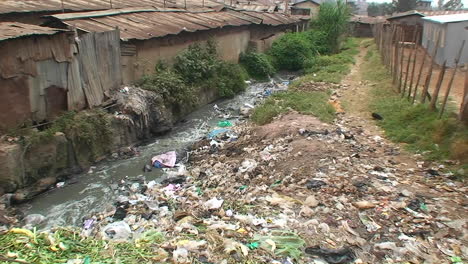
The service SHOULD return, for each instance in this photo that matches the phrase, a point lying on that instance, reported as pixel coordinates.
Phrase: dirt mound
(289, 124)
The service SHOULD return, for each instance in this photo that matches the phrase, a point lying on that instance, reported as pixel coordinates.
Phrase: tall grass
(333, 20)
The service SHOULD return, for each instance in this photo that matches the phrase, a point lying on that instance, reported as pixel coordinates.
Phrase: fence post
(402, 56)
(409, 62)
(415, 50)
(464, 105)
(449, 86)
(432, 105)
(429, 74)
(420, 73)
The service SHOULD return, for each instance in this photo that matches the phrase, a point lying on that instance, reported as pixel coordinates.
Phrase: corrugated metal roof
(367, 19)
(10, 6)
(253, 7)
(427, 13)
(11, 30)
(146, 25)
(447, 18)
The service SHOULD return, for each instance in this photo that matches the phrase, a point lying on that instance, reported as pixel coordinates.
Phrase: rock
(306, 212)
(406, 193)
(364, 205)
(28, 193)
(119, 231)
(311, 201)
(245, 111)
(34, 219)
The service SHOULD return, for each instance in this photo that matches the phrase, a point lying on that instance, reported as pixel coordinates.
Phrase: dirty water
(95, 190)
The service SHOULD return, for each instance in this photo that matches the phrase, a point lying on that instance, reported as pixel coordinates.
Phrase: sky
(434, 2)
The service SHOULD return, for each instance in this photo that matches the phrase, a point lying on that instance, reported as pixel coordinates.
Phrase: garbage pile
(293, 191)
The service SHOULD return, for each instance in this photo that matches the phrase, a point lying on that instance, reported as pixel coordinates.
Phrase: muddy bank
(30, 164)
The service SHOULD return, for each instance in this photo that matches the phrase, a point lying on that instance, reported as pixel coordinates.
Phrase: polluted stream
(96, 190)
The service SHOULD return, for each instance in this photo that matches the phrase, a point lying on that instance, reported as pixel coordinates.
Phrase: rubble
(294, 191)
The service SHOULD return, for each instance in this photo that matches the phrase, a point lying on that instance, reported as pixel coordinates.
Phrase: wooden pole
(449, 86)
(63, 7)
(420, 74)
(409, 62)
(402, 56)
(110, 1)
(391, 49)
(435, 94)
(464, 105)
(395, 56)
(431, 68)
(414, 66)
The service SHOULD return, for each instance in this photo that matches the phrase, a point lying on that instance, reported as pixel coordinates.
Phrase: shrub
(333, 21)
(229, 79)
(291, 51)
(318, 41)
(171, 86)
(258, 65)
(197, 63)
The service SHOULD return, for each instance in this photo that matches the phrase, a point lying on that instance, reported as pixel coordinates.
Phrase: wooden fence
(413, 80)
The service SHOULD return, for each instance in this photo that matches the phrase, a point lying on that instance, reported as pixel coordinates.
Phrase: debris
(118, 231)
(213, 203)
(364, 204)
(377, 116)
(248, 165)
(217, 132)
(333, 256)
(166, 160)
(315, 184)
(225, 123)
(311, 201)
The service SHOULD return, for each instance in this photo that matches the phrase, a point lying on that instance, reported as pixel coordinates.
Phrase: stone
(311, 201)
(364, 205)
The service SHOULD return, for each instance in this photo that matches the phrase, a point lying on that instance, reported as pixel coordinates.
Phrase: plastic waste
(213, 203)
(180, 255)
(213, 134)
(119, 231)
(225, 123)
(89, 223)
(333, 256)
(253, 245)
(248, 165)
(315, 184)
(166, 160)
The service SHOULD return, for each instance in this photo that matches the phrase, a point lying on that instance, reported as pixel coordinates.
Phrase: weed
(291, 51)
(197, 63)
(333, 21)
(258, 65)
(286, 243)
(171, 86)
(65, 244)
(415, 125)
(310, 103)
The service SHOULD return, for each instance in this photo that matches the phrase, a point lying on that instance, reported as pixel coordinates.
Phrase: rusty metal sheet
(11, 30)
(10, 6)
(146, 25)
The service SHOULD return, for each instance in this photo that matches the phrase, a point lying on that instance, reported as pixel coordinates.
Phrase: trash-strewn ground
(296, 190)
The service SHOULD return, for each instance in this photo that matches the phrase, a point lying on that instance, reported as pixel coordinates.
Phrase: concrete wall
(451, 39)
(232, 41)
(314, 8)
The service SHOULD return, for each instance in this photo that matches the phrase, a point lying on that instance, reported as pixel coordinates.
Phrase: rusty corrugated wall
(42, 76)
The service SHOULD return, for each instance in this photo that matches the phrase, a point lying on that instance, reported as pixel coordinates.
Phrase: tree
(440, 4)
(405, 5)
(453, 5)
(375, 9)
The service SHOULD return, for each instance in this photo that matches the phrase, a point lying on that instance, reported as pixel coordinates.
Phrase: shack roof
(146, 24)
(367, 19)
(426, 13)
(12, 30)
(21, 6)
(447, 18)
(303, 1)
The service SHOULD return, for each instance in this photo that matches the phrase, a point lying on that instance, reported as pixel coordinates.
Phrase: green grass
(330, 68)
(310, 103)
(415, 125)
(64, 244)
